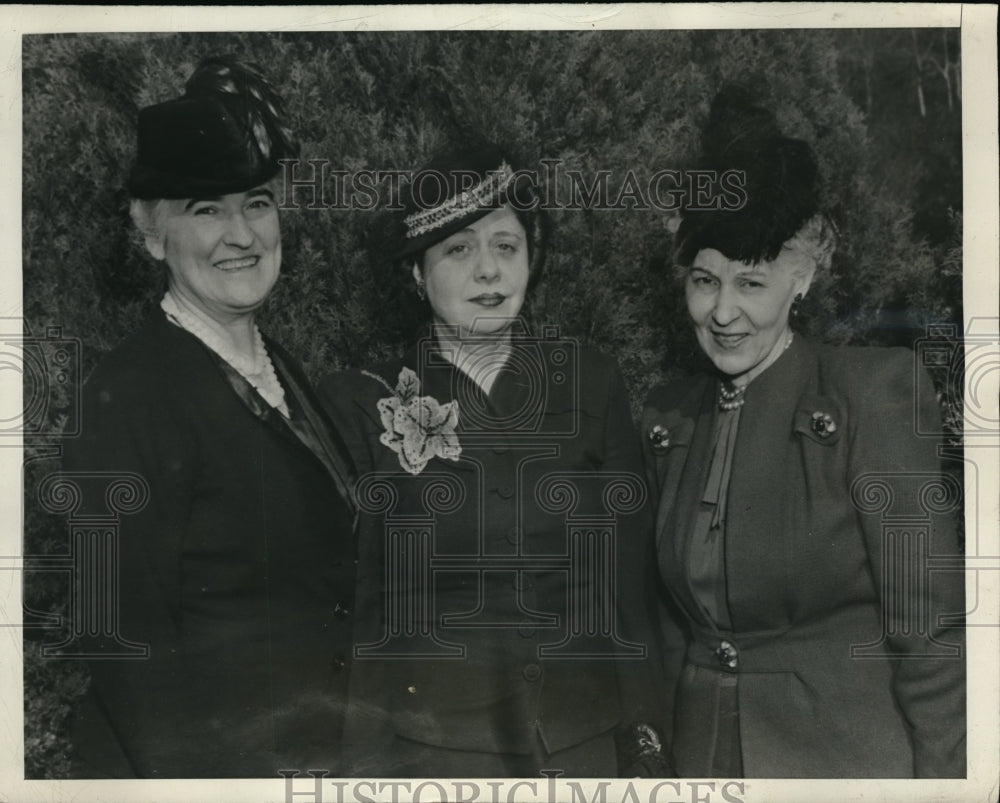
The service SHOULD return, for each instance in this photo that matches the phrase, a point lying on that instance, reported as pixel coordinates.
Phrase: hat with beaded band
(457, 188)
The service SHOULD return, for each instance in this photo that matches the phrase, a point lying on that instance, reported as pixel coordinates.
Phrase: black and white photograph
(500, 403)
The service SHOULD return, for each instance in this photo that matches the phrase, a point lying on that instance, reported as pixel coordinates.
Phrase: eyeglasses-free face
(477, 278)
(223, 254)
(740, 312)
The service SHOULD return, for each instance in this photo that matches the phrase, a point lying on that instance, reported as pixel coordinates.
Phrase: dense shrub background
(881, 107)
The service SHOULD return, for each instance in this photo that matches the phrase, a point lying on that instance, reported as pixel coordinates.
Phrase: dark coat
(807, 572)
(554, 408)
(238, 573)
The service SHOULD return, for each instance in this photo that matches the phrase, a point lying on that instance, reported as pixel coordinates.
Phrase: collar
(257, 370)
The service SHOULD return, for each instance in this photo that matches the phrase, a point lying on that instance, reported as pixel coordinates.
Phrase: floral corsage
(417, 428)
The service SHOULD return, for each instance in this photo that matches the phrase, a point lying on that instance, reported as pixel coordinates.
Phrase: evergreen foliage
(607, 100)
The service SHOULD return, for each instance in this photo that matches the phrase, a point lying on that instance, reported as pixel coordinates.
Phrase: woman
(808, 655)
(238, 572)
(492, 462)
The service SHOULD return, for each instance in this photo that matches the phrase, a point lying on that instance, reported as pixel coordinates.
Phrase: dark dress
(238, 573)
(501, 679)
(821, 649)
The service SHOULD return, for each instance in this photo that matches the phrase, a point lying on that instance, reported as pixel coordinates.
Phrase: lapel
(310, 425)
(510, 396)
(680, 472)
(766, 471)
(312, 433)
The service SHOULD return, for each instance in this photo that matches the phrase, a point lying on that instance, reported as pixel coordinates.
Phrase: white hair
(149, 216)
(816, 240)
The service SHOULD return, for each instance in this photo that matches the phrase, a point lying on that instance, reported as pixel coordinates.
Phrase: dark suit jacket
(813, 565)
(553, 409)
(238, 573)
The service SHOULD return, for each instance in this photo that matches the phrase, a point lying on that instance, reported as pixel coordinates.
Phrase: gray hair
(816, 240)
(148, 217)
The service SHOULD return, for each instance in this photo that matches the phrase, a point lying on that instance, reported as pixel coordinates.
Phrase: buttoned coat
(845, 666)
(551, 449)
(238, 573)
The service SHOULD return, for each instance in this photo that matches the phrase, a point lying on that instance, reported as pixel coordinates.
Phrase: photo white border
(981, 258)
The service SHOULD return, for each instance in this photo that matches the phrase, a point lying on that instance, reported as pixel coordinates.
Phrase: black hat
(459, 186)
(225, 134)
(781, 183)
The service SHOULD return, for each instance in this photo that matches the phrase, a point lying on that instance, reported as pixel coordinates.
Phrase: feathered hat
(225, 134)
(781, 183)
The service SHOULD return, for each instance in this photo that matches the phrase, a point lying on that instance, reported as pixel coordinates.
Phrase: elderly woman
(238, 572)
(816, 649)
(503, 511)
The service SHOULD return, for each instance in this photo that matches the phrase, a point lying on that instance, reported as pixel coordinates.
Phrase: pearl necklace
(731, 397)
(257, 370)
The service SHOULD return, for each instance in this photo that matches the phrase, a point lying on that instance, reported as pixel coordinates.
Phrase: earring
(795, 305)
(421, 291)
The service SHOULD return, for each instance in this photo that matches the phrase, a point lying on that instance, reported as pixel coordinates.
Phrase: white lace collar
(258, 370)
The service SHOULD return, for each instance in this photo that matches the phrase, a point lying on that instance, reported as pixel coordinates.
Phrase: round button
(337, 664)
(505, 491)
(513, 535)
(727, 654)
(532, 672)
(500, 449)
(411, 689)
(526, 630)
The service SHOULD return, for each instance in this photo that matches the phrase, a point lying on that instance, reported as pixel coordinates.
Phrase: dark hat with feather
(781, 183)
(225, 134)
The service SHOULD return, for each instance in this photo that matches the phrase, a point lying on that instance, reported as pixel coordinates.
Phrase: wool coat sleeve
(342, 395)
(119, 438)
(896, 472)
(645, 691)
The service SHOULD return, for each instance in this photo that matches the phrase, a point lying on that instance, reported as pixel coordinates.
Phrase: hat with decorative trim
(456, 188)
(225, 134)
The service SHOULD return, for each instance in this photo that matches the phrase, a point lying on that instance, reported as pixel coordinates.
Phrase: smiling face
(476, 279)
(740, 312)
(223, 254)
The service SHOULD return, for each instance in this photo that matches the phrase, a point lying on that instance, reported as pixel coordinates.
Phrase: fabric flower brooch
(659, 438)
(820, 419)
(417, 428)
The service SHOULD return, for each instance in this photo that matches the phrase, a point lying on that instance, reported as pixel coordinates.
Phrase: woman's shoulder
(145, 362)
(866, 371)
(677, 393)
(350, 388)
(594, 361)
(867, 357)
(360, 380)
